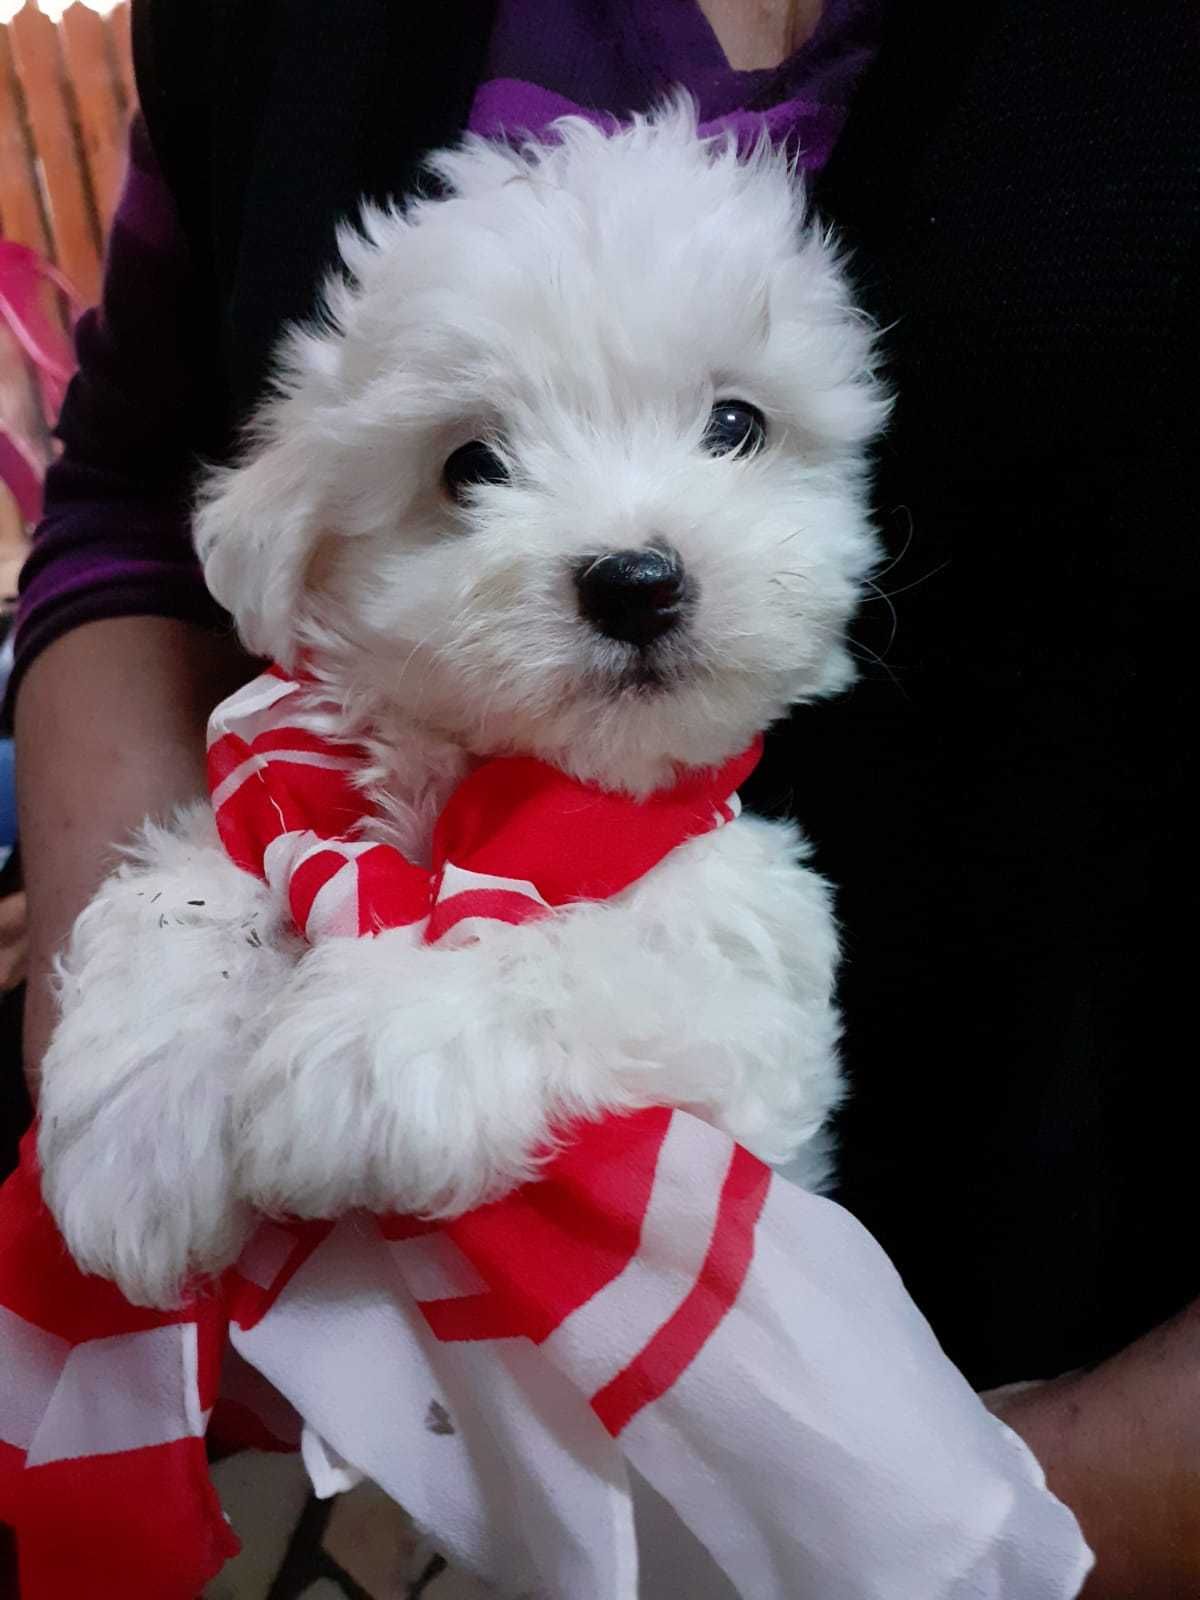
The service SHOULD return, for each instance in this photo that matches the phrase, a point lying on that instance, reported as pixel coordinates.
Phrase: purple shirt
(604, 61)
(115, 538)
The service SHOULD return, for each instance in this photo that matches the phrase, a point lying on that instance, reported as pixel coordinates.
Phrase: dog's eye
(472, 464)
(735, 428)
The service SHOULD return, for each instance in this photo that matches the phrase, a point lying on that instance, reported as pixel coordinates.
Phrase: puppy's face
(577, 471)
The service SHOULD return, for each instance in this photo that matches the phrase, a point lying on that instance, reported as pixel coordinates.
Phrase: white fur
(161, 989)
(397, 1077)
(580, 304)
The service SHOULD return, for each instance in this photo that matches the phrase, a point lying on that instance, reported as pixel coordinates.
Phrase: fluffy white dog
(573, 467)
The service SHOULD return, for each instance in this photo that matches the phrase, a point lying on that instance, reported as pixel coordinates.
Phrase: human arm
(110, 729)
(120, 652)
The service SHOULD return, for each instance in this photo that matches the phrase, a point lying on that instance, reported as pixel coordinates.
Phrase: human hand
(1120, 1444)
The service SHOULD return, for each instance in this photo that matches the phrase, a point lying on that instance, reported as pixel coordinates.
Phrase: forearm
(110, 729)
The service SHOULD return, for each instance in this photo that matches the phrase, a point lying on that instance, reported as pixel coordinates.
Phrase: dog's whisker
(904, 588)
(904, 549)
(887, 596)
(880, 595)
(800, 577)
(862, 652)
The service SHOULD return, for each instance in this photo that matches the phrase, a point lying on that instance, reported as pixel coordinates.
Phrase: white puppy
(573, 467)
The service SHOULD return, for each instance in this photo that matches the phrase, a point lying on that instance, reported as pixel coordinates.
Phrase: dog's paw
(142, 1206)
(159, 987)
(399, 1079)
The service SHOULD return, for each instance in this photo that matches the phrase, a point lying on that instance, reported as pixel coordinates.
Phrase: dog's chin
(633, 724)
(638, 674)
(620, 716)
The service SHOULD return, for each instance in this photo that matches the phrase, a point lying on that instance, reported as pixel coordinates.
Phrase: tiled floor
(357, 1547)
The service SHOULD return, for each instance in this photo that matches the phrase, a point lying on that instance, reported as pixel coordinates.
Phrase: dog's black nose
(633, 595)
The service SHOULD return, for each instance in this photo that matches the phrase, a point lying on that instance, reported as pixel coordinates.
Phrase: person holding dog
(1001, 800)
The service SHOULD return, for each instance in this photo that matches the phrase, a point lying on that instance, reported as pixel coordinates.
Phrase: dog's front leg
(396, 1077)
(161, 984)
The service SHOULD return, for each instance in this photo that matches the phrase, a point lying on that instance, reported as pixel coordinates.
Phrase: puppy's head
(574, 464)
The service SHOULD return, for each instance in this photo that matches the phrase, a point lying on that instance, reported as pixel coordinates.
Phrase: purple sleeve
(114, 539)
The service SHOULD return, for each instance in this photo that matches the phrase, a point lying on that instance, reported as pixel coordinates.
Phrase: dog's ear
(255, 527)
(257, 523)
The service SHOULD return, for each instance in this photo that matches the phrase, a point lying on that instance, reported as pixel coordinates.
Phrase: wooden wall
(66, 93)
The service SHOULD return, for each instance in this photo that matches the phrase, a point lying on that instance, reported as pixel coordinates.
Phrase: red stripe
(228, 752)
(289, 798)
(517, 817)
(499, 905)
(308, 879)
(468, 1317)
(291, 737)
(392, 892)
(681, 1338)
(40, 1282)
(247, 1303)
(12, 1463)
(551, 1245)
(137, 1522)
(225, 755)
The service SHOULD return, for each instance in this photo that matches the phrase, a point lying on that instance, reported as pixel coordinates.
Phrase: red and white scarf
(659, 1323)
(516, 839)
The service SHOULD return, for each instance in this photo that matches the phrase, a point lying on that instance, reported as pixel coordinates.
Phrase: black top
(1006, 800)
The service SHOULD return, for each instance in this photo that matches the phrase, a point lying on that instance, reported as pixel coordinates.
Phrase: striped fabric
(657, 1353)
(661, 1371)
(516, 839)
